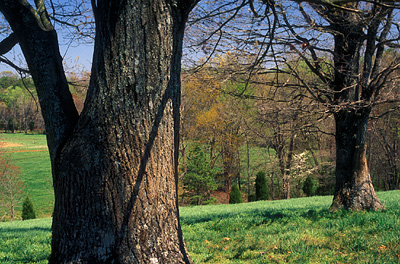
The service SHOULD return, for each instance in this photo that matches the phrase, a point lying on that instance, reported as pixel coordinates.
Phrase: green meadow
(292, 231)
(286, 231)
(25, 241)
(29, 153)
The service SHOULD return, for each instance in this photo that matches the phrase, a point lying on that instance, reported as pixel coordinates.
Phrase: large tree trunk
(114, 166)
(116, 177)
(352, 96)
(354, 190)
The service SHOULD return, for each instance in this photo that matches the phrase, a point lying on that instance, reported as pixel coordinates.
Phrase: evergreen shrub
(199, 179)
(251, 198)
(235, 196)
(310, 186)
(261, 187)
(28, 211)
(31, 125)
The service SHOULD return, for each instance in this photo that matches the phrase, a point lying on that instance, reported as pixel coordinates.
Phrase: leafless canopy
(316, 42)
(73, 21)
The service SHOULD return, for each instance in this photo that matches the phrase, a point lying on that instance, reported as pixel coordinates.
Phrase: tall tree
(115, 165)
(199, 179)
(360, 32)
(209, 116)
(341, 43)
(11, 187)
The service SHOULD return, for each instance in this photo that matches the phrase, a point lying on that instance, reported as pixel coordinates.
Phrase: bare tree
(341, 44)
(11, 187)
(351, 76)
(383, 148)
(283, 116)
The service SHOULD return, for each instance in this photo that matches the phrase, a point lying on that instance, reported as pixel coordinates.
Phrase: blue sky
(75, 54)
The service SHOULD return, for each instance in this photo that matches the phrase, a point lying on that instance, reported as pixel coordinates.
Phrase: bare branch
(8, 43)
(15, 67)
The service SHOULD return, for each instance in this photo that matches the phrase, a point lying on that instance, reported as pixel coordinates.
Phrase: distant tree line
(19, 106)
(232, 117)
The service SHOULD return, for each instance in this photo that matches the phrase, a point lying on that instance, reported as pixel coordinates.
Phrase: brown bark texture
(353, 96)
(354, 189)
(114, 166)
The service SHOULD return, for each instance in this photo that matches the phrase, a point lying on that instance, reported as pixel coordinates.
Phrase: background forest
(247, 128)
(232, 130)
(262, 89)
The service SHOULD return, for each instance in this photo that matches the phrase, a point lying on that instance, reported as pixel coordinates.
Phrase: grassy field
(25, 241)
(292, 231)
(29, 153)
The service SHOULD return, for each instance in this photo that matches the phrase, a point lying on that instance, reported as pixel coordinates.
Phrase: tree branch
(43, 15)
(11, 64)
(39, 45)
(8, 43)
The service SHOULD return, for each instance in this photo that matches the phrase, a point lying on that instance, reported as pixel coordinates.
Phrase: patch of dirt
(222, 197)
(9, 145)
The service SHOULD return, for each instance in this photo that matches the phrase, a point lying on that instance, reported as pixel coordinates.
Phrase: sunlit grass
(294, 231)
(36, 174)
(291, 231)
(29, 153)
(25, 241)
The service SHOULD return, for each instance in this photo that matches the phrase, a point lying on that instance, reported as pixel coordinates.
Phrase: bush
(235, 196)
(251, 198)
(261, 187)
(196, 199)
(31, 126)
(11, 125)
(310, 186)
(212, 200)
(199, 179)
(27, 209)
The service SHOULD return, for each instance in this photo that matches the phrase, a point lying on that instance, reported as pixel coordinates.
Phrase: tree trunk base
(354, 190)
(357, 199)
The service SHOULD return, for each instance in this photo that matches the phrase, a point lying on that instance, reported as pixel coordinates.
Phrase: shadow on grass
(23, 231)
(268, 216)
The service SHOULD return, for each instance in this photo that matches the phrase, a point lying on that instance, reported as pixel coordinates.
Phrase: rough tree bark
(114, 166)
(354, 189)
(352, 97)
